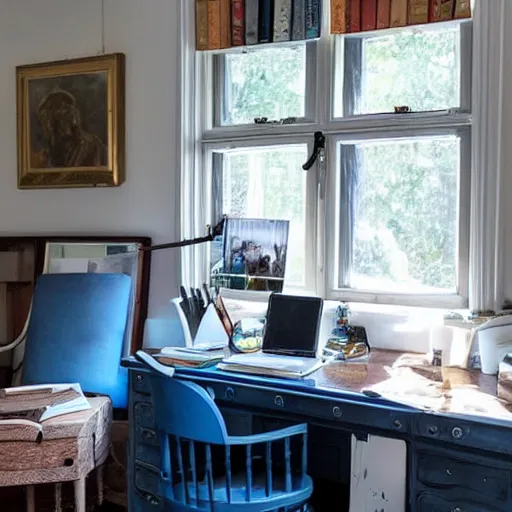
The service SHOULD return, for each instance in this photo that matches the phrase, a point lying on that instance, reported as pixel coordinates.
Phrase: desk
(459, 454)
(68, 448)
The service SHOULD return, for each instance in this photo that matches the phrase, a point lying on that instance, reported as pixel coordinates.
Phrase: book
(272, 365)
(225, 23)
(214, 41)
(41, 402)
(418, 12)
(462, 9)
(368, 15)
(398, 16)
(298, 20)
(265, 25)
(383, 13)
(282, 20)
(313, 21)
(355, 15)
(189, 357)
(446, 10)
(237, 23)
(201, 25)
(251, 21)
(339, 16)
(434, 12)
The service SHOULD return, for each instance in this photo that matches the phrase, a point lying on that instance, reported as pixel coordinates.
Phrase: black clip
(318, 147)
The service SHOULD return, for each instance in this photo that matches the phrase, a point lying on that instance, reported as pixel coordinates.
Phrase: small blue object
(195, 453)
(76, 333)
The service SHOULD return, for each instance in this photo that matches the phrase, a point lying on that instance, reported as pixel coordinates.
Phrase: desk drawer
(450, 473)
(141, 382)
(144, 415)
(428, 502)
(147, 480)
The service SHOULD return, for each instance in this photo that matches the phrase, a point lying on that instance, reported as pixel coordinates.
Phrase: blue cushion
(76, 333)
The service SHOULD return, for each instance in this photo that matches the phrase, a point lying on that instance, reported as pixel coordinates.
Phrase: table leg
(30, 496)
(99, 483)
(79, 486)
(58, 497)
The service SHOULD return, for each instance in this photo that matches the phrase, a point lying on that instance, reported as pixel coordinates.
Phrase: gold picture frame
(71, 123)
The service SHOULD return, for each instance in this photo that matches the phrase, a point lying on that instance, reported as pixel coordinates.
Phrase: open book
(41, 402)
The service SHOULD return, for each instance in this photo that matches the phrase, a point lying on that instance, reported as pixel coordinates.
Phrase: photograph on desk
(252, 255)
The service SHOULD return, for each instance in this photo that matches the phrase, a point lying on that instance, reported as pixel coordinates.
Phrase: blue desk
(456, 462)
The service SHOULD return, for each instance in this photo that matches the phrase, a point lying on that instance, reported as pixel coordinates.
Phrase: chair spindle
(304, 468)
(166, 462)
(268, 466)
(248, 472)
(209, 473)
(192, 457)
(287, 459)
(228, 473)
(181, 469)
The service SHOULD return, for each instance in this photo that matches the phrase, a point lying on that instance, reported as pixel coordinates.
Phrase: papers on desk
(41, 402)
(271, 365)
(189, 357)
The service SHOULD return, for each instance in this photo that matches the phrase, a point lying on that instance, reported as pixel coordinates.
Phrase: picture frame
(71, 123)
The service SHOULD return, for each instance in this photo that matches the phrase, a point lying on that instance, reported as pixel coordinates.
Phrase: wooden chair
(198, 471)
(75, 334)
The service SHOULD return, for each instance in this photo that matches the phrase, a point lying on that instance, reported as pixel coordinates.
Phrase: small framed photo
(70, 117)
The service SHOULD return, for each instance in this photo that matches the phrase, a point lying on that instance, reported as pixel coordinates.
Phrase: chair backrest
(184, 409)
(76, 333)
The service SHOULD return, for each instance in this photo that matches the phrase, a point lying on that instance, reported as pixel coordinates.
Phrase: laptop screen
(293, 324)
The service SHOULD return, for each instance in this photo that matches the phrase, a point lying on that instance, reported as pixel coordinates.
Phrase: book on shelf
(339, 18)
(272, 365)
(265, 24)
(313, 18)
(41, 402)
(383, 13)
(462, 9)
(202, 25)
(251, 21)
(298, 20)
(398, 17)
(225, 24)
(282, 20)
(418, 12)
(355, 16)
(237, 23)
(368, 15)
(214, 25)
(447, 10)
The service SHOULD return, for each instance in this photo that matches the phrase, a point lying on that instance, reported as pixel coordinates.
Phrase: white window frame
(321, 268)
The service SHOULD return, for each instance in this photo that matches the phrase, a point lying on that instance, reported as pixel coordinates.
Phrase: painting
(71, 123)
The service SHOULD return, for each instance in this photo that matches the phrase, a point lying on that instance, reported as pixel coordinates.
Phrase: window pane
(270, 184)
(418, 69)
(405, 215)
(264, 83)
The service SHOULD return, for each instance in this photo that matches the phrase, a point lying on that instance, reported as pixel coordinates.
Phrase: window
(385, 218)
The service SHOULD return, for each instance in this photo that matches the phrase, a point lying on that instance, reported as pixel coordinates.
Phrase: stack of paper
(271, 365)
(189, 357)
(42, 402)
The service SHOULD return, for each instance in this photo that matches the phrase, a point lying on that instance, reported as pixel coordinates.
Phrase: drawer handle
(279, 401)
(148, 435)
(457, 509)
(457, 433)
(433, 430)
(230, 393)
(152, 500)
(140, 378)
(337, 412)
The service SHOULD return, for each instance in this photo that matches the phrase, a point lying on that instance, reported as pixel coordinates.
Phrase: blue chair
(192, 433)
(76, 333)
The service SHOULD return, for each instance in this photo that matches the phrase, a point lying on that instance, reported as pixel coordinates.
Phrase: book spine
(383, 13)
(214, 22)
(462, 9)
(201, 25)
(398, 17)
(355, 16)
(446, 10)
(368, 15)
(225, 23)
(418, 12)
(282, 20)
(434, 13)
(251, 21)
(237, 23)
(298, 21)
(339, 16)
(313, 18)
(265, 21)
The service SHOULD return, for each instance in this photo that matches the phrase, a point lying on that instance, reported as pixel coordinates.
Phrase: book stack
(197, 357)
(224, 24)
(352, 16)
(39, 403)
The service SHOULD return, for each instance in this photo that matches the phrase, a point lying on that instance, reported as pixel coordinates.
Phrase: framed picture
(71, 123)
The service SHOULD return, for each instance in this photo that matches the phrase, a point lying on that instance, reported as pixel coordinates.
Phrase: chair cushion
(76, 333)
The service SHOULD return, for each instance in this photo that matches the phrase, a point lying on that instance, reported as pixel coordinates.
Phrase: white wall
(146, 204)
